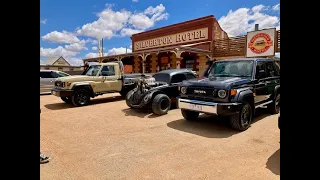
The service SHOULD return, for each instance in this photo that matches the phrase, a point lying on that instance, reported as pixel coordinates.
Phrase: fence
(236, 46)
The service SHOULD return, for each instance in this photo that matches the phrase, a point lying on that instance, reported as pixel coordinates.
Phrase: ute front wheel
(161, 104)
(67, 100)
(80, 98)
(189, 115)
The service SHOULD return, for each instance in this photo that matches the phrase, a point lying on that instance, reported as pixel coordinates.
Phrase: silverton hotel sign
(184, 37)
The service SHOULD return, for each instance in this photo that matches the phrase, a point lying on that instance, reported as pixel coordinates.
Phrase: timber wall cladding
(236, 46)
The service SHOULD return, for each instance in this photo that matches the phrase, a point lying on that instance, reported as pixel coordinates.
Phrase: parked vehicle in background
(47, 79)
(235, 88)
(96, 80)
(159, 95)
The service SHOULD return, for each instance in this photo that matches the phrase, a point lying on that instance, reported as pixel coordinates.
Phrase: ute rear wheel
(189, 115)
(123, 93)
(242, 120)
(67, 100)
(80, 98)
(161, 104)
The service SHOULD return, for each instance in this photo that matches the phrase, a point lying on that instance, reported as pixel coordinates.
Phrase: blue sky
(70, 28)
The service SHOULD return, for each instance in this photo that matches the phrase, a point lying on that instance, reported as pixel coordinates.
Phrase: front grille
(59, 84)
(209, 92)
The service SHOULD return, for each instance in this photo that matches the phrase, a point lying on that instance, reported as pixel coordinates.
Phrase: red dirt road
(107, 140)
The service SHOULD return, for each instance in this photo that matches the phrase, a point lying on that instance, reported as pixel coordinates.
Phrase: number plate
(195, 107)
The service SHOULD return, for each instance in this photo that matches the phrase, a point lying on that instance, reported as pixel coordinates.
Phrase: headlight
(222, 93)
(183, 90)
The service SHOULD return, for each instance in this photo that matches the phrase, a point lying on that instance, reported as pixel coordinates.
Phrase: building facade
(189, 44)
(61, 64)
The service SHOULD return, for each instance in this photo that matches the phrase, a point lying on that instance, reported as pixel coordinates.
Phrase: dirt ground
(107, 140)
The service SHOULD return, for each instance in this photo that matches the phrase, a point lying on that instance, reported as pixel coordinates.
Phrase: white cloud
(242, 20)
(259, 8)
(108, 22)
(117, 51)
(113, 51)
(148, 17)
(129, 32)
(91, 55)
(113, 23)
(135, 0)
(61, 37)
(92, 41)
(141, 21)
(94, 48)
(276, 7)
(43, 21)
(77, 47)
(56, 52)
(75, 61)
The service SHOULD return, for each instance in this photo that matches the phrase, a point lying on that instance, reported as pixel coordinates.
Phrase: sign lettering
(184, 37)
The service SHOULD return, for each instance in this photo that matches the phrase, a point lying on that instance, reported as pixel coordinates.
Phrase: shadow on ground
(142, 113)
(45, 94)
(211, 126)
(62, 105)
(273, 163)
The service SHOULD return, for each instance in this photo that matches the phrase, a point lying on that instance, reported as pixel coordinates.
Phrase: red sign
(260, 43)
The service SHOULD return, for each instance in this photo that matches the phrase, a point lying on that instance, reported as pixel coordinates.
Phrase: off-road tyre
(80, 97)
(189, 115)
(274, 107)
(67, 100)
(243, 119)
(161, 104)
(128, 98)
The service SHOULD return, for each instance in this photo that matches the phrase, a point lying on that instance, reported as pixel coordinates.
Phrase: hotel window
(71, 69)
(60, 68)
(164, 63)
(189, 64)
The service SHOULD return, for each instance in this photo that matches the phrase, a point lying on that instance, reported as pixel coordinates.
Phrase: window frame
(101, 70)
(46, 72)
(183, 74)
(265, 69)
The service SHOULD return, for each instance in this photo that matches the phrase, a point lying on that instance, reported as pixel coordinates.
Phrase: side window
(190, 76)
(178, 78)
(277, 68)
(54, 74)
(45, 75)
(270, 69)
(261, 70)
(107, 71)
